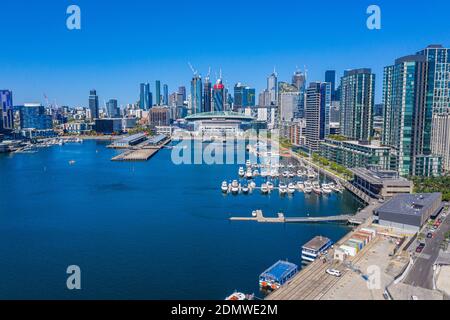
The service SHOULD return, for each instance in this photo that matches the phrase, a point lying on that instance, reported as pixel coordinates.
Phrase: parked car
(334, 273)
(420, 248)
(429, 235)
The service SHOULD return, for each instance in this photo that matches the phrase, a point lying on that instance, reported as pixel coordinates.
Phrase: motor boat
(235, 187)
(283, 189)
(224, 187)
(245, 189)
(291, 188)
(270, 185)
(264, 188)
(241, 172)
(326, 189)
(300, 186)
(316, 188)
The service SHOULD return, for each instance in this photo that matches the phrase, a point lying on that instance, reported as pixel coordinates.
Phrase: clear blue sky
(123, 43)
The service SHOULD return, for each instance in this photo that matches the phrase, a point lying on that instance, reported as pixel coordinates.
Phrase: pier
(143, 151)
(283, 219)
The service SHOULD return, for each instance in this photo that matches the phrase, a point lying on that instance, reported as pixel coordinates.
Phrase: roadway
(421, 274)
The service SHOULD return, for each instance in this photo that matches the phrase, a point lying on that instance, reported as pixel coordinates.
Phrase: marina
(138, 219)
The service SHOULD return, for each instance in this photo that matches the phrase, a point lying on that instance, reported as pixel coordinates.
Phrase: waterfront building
(409, 212)
(272, 88)
(314, 248)
(93, 105)
(159, 116)
(356, 103)
(380, 184)
(330, 77)
(352, 154)
(405, 128)
(158, 92)
(196, 94)
(108, 126)
(6, 111)
(34, 116)
(129, 141)
(112, 109)
(436, 138)
(317, 113)
(76, 127)
(146, 98)
(297, 133)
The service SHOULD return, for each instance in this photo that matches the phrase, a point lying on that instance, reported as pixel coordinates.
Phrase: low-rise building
(380, 184)
(409, 212)
(353, 154)
(130, 141)
(108, 126)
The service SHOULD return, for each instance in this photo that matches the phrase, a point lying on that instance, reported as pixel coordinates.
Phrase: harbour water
(144, 230)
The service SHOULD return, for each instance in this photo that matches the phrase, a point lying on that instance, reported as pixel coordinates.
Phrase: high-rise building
(6, 111)
(159, 116)
(196, 94)
(405, 127)
(299, 80)
(34, 116)
(93, 105)
(145, 97)
(207, 96)
(112, 109)
(317, 114)
(357, 101)
(244, 96)
(166, 94)
(330, 77)
(289, 102)
(436, 138)
(219, 96)
(272, 87)
(158, 92)
(182, 91)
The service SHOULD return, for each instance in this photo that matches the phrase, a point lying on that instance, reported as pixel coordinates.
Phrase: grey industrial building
(409, 212)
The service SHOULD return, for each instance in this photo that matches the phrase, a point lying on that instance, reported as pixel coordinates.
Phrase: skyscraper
(219, 96)
(158, 92)
(166, 94)
(357, 101)
(436, 138)
(299, 81)
(244, 96)
(289, 102)
(34, 116)
(330, 77)
(145, 97)
(182, 91)
(272, 87)
(93, 104)
(196, 94)
(112, 109)
(317, 113)
(207, 96)
(6, 111)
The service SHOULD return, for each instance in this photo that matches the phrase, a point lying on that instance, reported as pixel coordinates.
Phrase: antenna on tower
(306, 73)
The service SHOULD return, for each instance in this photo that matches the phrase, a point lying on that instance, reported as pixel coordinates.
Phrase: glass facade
(196, 94)
(35, 117)
(93, 105)
(6, 110)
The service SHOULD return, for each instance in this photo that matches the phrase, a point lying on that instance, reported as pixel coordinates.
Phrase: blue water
(148, 230)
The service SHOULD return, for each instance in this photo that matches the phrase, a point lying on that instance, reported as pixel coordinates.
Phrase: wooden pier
(142, 152)
(282, 219)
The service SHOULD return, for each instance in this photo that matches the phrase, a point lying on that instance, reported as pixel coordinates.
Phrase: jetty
(143, 151)
(258, 216)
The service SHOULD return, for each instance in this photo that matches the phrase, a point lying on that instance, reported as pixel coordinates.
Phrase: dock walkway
(282, 219)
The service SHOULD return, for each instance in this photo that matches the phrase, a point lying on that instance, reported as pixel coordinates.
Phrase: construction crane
(195, 72)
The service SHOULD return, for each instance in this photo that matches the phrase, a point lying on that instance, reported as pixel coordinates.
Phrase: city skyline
(116, 73)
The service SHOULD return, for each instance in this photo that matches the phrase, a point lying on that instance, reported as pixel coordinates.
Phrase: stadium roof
(220, 115)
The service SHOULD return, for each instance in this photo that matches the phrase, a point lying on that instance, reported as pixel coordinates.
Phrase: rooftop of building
(379, 177)
(410, 204)
(317, 243)
(280, 270)
(131, 138)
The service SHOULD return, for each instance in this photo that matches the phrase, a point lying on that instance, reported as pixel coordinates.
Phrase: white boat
(299, 173)
(248, 163)
(311, 175)
(264, 174)
(285, 174)
(264, 188)
(245, 189)
(252, 185)
(241, 172)
(224, 187)
(270, 185)
(291, 188)
(300, 186)
(72, 162)
(283, 189)
(249, 174)
(291, 166)
(237, 296)
(291, 175)
(326, 189)
(308, 187)
(255, 173)
(316, 188)
(235, 187)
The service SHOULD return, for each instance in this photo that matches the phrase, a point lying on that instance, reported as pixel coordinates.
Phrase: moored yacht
(235, 187)
(316, 188)
(264, 188)
(241, 172)
(300, 186)
(291, 188)
(245, 189)
(326, 189)
(283, 189)
(224, 187)
(270, 185)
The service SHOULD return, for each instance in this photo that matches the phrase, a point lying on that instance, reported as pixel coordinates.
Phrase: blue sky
(123, 43)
